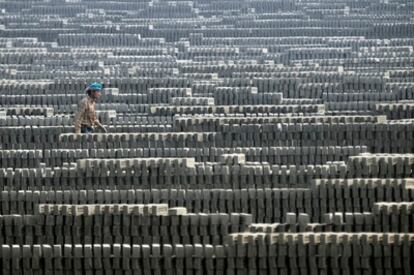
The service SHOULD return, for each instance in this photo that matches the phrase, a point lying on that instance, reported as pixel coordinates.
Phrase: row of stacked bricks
(244, 137)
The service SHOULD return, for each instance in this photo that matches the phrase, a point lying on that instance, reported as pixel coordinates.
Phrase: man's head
(94, 90)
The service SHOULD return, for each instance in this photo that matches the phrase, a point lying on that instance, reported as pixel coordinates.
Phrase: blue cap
(95, 86)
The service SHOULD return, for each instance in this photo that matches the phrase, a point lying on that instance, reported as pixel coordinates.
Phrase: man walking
(85, 117)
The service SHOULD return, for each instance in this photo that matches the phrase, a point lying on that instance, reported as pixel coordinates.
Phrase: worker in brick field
(85, 118)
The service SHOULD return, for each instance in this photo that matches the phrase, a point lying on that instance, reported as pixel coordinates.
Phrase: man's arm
(95, 121)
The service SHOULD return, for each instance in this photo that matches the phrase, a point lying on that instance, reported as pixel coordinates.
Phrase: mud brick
(106, 256)
(135, 258)
(179, 252)
(97, 256)
(167, 253)
(146, 253)
(26, 257)
(6, 254)
(291, 218)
